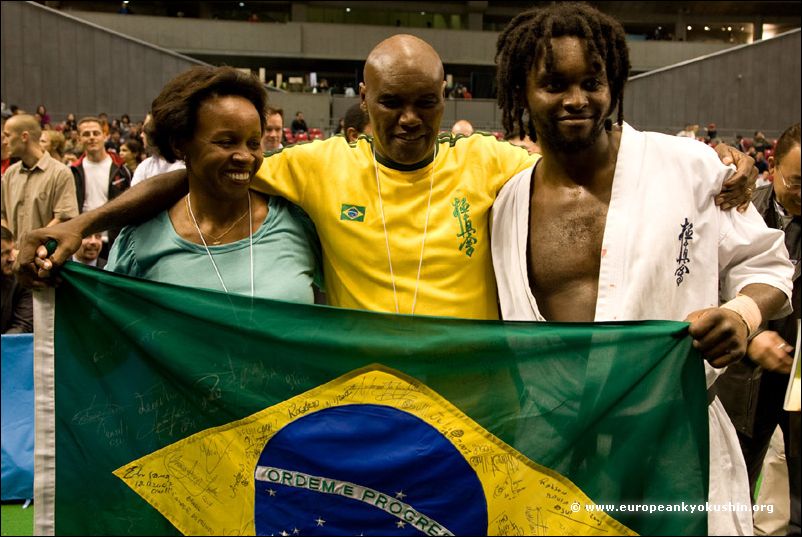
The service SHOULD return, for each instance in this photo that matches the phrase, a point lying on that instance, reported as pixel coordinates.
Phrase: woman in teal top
(220, 235)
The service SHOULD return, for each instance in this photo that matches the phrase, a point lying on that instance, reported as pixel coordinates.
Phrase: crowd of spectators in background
(758, 146)
(135, 158)
(127, 138)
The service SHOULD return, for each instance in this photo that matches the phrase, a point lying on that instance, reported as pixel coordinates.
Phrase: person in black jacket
(299, 124)
(753, 389)
(17, 304)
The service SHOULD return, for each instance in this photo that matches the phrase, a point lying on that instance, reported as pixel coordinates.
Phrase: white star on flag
(320, 521)
(271, 492)
(400, 523)
(400, 495)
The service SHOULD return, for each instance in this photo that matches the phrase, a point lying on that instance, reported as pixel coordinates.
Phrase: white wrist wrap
(748, 310)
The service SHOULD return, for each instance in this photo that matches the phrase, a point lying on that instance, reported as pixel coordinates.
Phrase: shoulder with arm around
(288, 171)
(495, 160)
(690, 162)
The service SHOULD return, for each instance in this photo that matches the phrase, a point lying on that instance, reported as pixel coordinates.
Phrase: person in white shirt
(155, 164)
(99, 175)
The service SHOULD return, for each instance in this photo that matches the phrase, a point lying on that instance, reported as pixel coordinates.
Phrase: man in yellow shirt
(403, 218)
(403, 221)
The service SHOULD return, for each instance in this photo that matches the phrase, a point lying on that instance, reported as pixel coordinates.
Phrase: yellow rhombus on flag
(372, 451)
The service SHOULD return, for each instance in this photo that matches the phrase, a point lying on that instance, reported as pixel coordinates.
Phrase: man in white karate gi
(616, 224)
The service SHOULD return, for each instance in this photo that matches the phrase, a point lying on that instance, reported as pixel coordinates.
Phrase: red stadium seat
(302, 137)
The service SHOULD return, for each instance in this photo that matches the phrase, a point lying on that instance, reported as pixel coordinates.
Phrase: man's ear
(363, 96)
(771, 162)
(443, 89)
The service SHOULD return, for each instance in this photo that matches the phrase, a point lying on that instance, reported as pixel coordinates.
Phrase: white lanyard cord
(387, 238)
(206, 247)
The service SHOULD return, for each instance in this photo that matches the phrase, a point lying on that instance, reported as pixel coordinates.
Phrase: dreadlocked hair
(529, 35)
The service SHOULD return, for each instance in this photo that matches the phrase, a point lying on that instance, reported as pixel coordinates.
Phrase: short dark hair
(175, 109)
(528, 37)
(87, 119)
(355, 117)
(135, 147)
(272, 111)
(6, 234)
(787, 141)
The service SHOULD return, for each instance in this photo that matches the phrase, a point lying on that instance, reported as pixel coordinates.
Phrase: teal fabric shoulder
(284, 258)
(122, 257)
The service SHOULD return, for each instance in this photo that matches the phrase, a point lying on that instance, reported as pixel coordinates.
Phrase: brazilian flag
(164, 410)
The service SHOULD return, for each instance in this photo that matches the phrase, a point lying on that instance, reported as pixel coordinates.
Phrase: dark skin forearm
(721, 334)
(769, 299)
(134, 206)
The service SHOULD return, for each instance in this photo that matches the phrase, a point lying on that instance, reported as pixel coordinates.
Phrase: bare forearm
(769, 300)
(137, 204)
(36, 260)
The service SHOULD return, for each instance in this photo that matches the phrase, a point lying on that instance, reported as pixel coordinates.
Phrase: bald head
(21, 135)
(404, 51)
(463, 127)
(403, 96)
(25, 122)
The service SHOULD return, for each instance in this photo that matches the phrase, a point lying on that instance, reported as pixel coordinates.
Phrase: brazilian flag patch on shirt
(351, 212)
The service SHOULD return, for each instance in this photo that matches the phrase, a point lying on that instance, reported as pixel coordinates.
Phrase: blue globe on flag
(365, 469)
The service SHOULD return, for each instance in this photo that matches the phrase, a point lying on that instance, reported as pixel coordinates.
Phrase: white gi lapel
(628, 170)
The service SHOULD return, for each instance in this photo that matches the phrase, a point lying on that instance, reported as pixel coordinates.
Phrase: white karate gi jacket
(667, 251)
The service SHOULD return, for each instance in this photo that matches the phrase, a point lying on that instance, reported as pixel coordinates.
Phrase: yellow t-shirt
(335, 183)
